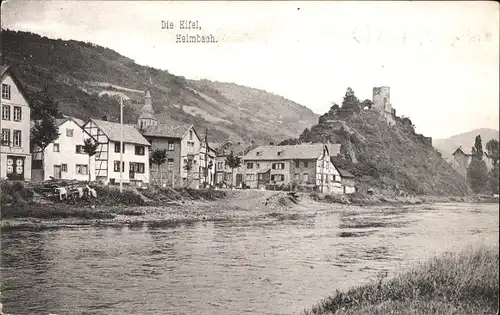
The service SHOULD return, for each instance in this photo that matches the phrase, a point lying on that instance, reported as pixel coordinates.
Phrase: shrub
(15, 193)
(110, 195)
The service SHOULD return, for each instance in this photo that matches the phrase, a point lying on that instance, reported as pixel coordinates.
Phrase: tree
(158, 157)
(493, 182)
(477, 173)
(42, 104)
(188, 167)
(367, 103)
(493, 151)
(351, 101)
(233, 162)
(44, 132)
(90, 147)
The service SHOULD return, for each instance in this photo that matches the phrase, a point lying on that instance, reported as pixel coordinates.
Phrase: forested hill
(84, 78)
(388, 158)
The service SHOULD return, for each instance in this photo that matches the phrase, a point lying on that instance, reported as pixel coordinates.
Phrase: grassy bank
(21, 201)
(463, 283)
(360, 199)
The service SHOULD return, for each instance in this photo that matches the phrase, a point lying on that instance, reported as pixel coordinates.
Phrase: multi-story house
(182, 145)
(15, 157)
(461, 159)
(223, 173)
(135, 151)
(207, 163)
(305, 164)
(64, 158)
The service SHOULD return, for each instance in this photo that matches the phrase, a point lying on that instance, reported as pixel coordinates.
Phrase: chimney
(271, 143)
(105, 118)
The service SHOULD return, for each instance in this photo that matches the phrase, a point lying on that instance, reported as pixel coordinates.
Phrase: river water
(242, 267)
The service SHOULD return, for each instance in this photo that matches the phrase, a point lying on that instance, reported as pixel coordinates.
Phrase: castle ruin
(382, 103)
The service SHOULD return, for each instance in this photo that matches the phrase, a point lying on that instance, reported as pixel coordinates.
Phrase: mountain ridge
(448, 145)
(85, 79)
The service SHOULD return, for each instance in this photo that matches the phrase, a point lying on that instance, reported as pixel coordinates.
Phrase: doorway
(57, 171)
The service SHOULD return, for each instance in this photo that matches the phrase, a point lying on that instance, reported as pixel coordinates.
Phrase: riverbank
(234, 205)
(460, 283)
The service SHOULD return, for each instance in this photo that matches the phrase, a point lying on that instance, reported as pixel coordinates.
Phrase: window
(258, 153)
(6, 137)
(137, 167)
(296, 176)
(250, 177)
(82, 169)
(258, 165)
(190, 134)
(139, 150)
(17, 138)
(277, 177)
(56, 147)
(220, 165)
(305, 177)
(117, 166)
(190, 146)
(6, 112)
(306, 163)
(297, 163)
(170, 146)
(170, 164)
(18, 113)
(280, 153)
(69, 132)
(79, 149)
(6, 91)
(278, 166)
(117, 147)
(64, 167)
(249, 165)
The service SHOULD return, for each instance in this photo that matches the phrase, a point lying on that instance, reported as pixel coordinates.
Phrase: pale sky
(441, 59)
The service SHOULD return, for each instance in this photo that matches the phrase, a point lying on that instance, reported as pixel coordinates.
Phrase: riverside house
(15, 156)
(461, 159)
(135, 166)
(307, 165)
(182, 143)
(223, 172)
(64, 158)
(207, 168)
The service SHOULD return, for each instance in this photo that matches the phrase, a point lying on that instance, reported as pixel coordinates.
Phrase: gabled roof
(166, 130)
(344, 173)
(112, 131)
(4, 70)
(460, 149)
(288, 152)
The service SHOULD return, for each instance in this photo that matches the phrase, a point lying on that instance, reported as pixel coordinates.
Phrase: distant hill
(383, 157)
(466, 140)
(86, 78)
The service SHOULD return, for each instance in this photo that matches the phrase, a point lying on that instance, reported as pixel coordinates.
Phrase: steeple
(147, 115)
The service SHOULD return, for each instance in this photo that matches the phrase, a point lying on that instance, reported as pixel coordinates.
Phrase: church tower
(147, 115)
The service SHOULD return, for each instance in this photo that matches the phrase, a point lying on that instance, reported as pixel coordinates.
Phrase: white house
(15, 157)
(135, 166)
(64, 158)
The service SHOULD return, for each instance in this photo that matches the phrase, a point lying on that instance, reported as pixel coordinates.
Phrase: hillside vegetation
(387, 158)
(84, 78)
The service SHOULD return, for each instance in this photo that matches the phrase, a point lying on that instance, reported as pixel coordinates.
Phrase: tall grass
(462, 283)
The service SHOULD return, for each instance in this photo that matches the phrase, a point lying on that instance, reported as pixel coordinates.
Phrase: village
(157, 154)
(173, 155)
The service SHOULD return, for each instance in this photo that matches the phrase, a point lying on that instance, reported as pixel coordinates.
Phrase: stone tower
(382, 104)
(382, 99)
(147, 115)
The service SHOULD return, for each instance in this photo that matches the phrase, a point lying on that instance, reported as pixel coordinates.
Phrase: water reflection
(257, 267)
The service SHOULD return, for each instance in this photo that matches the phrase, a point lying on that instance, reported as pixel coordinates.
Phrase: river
(239, 267)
